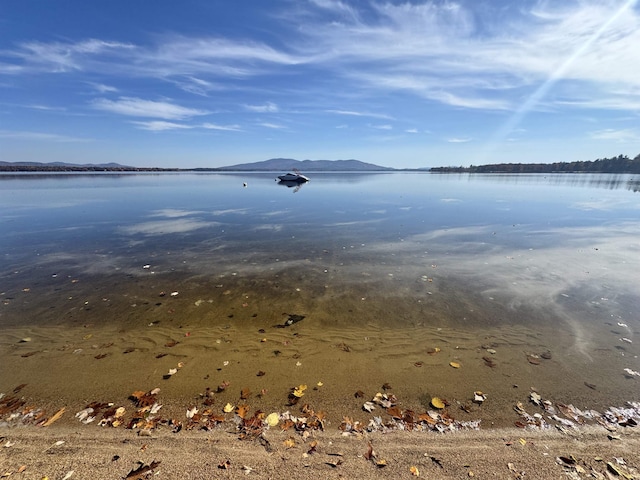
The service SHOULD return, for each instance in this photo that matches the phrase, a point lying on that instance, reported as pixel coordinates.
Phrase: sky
(403, 84)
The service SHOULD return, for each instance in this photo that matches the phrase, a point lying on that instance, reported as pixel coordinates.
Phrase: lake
(429, 285)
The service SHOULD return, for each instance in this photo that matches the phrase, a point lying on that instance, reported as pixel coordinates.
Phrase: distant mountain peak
(278, 164)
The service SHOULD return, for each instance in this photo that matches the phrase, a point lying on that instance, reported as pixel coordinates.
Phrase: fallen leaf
(56, 416)
(489, 362)
(414, 471)
(245, 393)
(289, 443)
(369, 454)
(455, 364)
(299, 390)
(142, 470)
(273, 419)
(242, 410)
(437, 403)
(225, 464)
(533, 359)
(369, 406)
(312, 447)
(228, 408)
(395, 412)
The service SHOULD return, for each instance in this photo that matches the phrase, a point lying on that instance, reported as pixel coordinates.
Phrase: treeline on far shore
(619, 164)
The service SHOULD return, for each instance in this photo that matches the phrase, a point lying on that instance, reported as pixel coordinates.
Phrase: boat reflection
(291, 184)
(295, 185)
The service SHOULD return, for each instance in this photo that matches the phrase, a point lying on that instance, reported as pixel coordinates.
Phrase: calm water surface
(383, 267)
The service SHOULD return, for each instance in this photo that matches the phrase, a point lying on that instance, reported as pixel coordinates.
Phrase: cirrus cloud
(137, 107)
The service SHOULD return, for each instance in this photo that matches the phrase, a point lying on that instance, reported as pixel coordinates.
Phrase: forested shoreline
(619, 164)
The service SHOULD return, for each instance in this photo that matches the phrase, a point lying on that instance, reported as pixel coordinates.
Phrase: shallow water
(102, 273)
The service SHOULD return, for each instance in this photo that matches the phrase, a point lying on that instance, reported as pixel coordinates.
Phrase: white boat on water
(293, 177)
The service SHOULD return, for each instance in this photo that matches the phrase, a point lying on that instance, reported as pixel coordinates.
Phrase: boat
(293, 177)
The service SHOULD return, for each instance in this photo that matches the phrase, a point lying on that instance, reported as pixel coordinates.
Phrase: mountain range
(63, 164)
(278, 164)
(274, 164)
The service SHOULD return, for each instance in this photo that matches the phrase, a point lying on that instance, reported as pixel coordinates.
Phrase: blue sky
(206, 83)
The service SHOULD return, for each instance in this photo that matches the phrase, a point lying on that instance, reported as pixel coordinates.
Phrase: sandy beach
(73, 451)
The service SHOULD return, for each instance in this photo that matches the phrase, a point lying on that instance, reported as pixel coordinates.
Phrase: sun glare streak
(512, 123)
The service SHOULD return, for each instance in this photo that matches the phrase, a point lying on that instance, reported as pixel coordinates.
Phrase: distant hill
(61, 165)
(282, 164)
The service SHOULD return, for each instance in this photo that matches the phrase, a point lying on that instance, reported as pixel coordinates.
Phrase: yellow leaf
(228, 408)
(522, 441)
(299, 390)
(437, 403)
(454, 364)
(289, 443)
(414, 471)
(273, 419)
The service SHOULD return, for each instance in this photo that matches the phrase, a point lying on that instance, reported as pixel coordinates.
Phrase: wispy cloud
(46, 108)
(274, 126)
(102, 88)
(228, 128)
(459, 139)
(480, 59)
(352, 113)
(137, 107)
(622, 135)
(160, 125)
(39, 136)
(60, 57)
(268, 107)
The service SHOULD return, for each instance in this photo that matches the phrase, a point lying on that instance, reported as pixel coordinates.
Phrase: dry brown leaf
(395, 412)
(242, 410)
(142, 470)
(56, 416)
